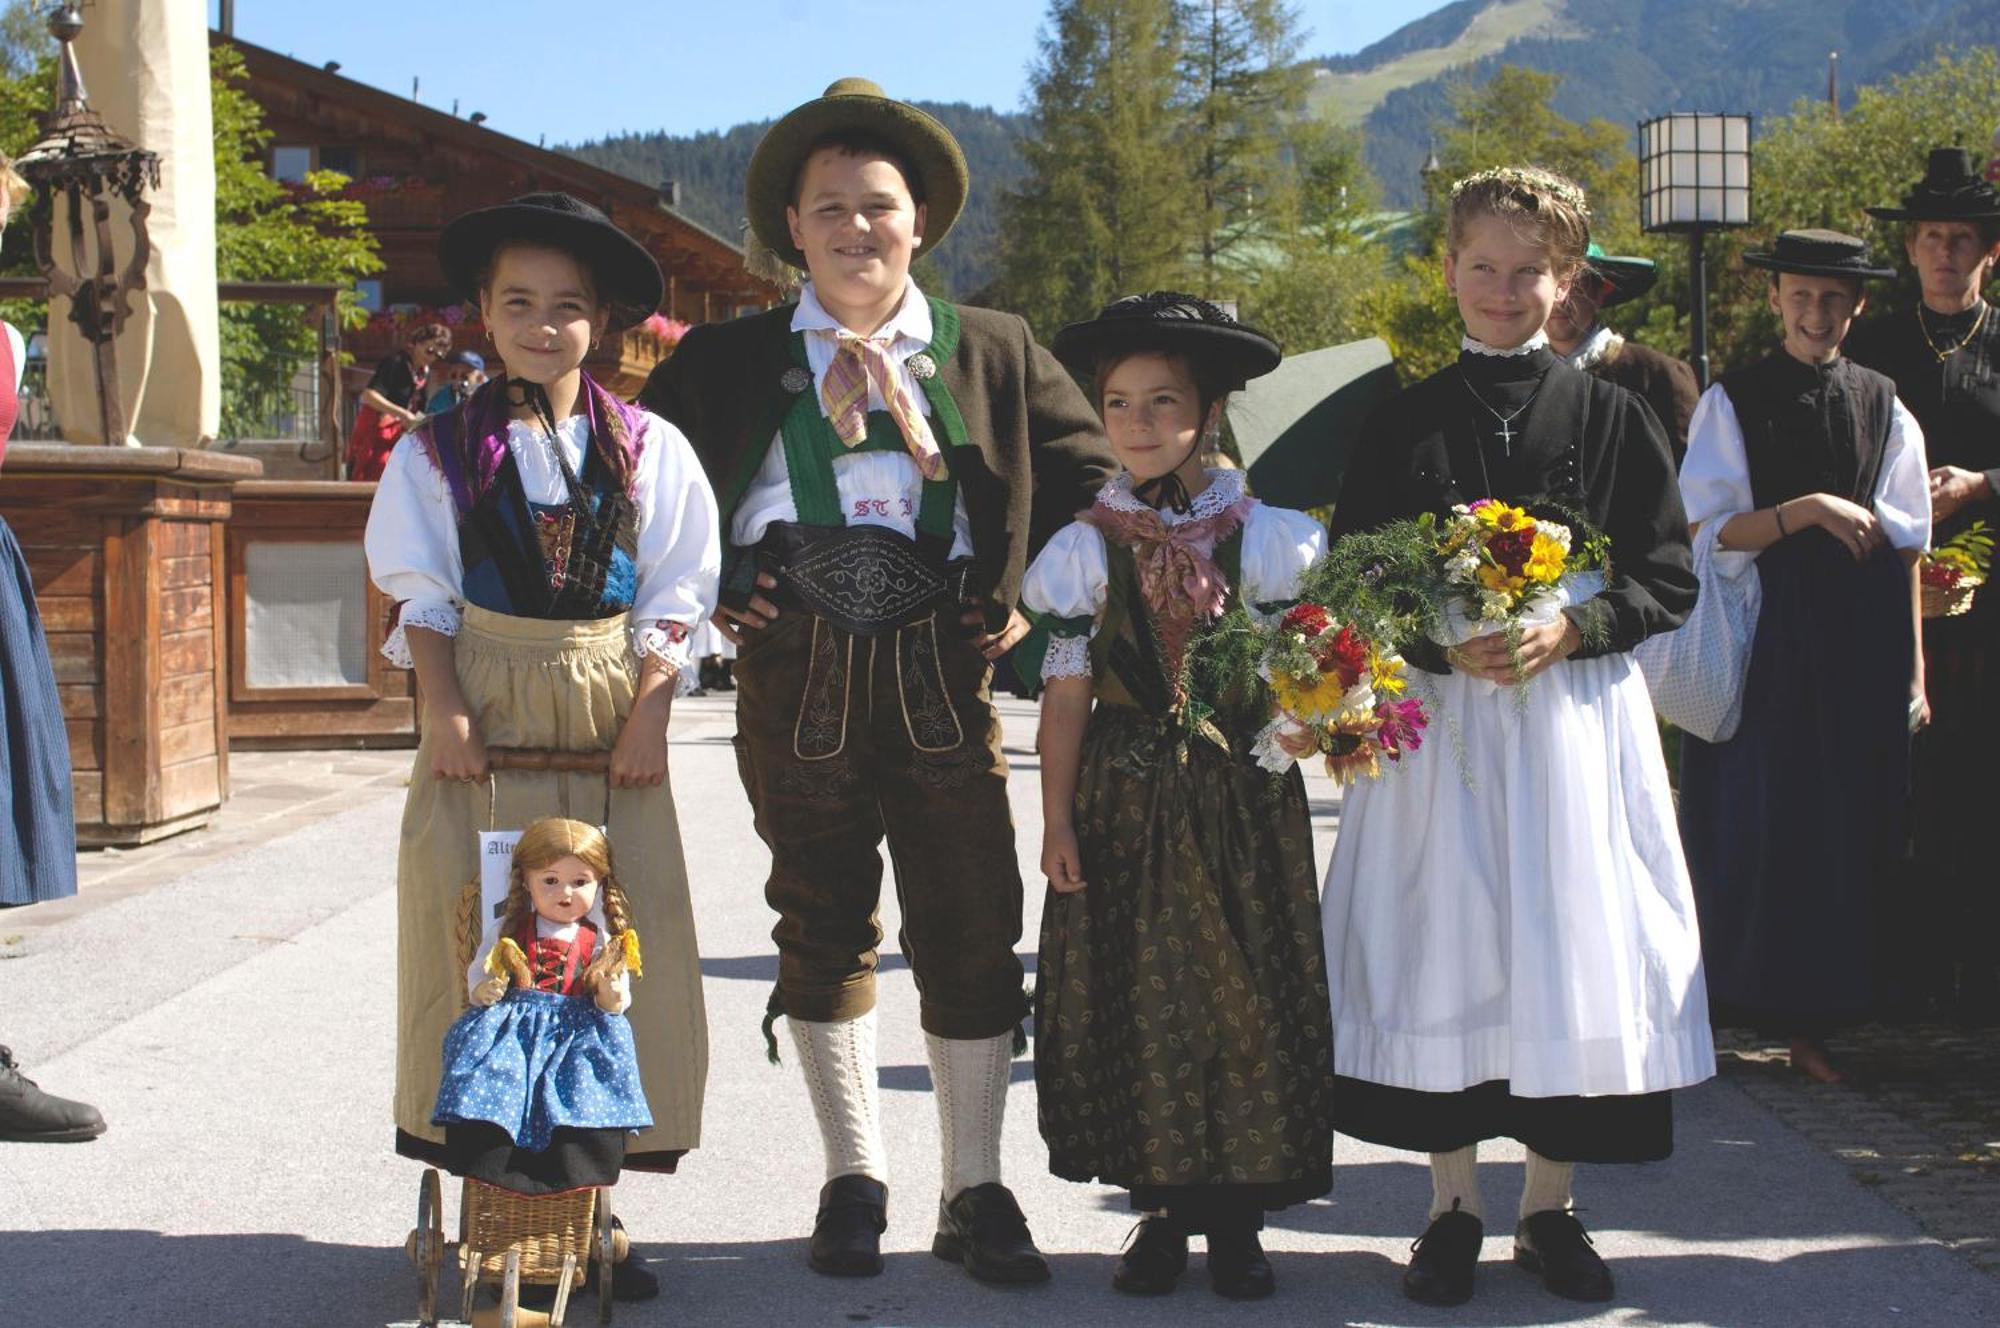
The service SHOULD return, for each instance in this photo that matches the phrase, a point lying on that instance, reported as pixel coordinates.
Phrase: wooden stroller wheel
(606, 1249)
(428, 1250)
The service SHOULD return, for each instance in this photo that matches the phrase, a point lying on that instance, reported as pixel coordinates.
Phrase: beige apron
(547, 684)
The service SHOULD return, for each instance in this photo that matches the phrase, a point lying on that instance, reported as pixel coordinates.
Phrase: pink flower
(1403, 724)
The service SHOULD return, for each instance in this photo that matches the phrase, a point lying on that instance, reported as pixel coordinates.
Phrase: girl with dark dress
(1510, 937)
(1794, 825)
(1181, 1025)
(1944, 356)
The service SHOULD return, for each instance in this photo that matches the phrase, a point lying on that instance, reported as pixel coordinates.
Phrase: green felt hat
(1624, 277)
(855, 106)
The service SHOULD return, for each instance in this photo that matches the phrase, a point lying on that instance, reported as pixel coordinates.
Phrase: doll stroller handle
(543, 758)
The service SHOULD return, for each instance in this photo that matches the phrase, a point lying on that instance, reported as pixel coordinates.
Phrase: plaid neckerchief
(857, 361)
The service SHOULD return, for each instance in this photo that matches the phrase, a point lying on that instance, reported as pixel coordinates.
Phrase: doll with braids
(541, 1079)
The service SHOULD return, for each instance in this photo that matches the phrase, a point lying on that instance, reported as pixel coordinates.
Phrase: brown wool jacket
(1036, 452)
(1667, 384)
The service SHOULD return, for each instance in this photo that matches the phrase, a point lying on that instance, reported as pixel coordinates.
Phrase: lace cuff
(1068, 657)
(665, 640)
(439, 618)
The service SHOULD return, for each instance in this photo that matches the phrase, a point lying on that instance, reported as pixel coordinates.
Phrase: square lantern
(1694, 171)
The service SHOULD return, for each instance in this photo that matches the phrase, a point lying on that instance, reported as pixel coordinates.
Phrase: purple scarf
(468, 442)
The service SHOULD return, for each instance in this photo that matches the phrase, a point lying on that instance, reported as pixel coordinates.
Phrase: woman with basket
(552, 546)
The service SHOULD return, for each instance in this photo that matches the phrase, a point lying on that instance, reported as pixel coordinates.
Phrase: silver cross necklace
(1507, 430)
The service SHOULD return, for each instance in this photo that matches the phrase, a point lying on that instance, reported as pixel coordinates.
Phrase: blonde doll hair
(1540, 205)
(17, 190)
(550, 840)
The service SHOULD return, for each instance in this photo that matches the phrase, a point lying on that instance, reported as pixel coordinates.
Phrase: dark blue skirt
(1794, 827)
(37, 817)
(537, 1061)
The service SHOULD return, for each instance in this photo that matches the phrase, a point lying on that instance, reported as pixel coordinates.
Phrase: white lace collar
(1528, 347)
(1600, 343)
(575, 429)
(1225, 489)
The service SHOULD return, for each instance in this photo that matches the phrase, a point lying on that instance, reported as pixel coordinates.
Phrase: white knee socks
(969, 1079)
(1455, 1182)
(1548, 1185)
(839, 1061)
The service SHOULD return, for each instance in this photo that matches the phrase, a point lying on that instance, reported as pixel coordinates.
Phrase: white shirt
(1069, 577)
(412, 537)
(1715, 477)
(875, 488)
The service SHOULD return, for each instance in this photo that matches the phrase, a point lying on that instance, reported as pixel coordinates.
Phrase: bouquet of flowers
(1506, 568)
(1338, 692)
(1950, 573)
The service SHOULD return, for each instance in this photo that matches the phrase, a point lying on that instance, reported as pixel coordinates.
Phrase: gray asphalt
(236, 1027)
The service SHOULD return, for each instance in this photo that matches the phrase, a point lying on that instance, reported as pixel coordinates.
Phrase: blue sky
(684, 66)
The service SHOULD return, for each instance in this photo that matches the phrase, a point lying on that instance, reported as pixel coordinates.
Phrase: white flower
(1359, 699)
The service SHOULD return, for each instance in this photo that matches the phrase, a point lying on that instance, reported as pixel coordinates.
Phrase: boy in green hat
(1577, 334)
(887, 465)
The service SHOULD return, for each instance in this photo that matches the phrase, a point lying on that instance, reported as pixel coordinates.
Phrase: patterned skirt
(1182, 1032)
(37, 819)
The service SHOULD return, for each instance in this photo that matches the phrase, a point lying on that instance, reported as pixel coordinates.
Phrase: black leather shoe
(847, 1234)
(983, 1228)
(1554, 1244)
(28, 1115)
(1156, 1254)
(1237, 1267)
(1440, 1271)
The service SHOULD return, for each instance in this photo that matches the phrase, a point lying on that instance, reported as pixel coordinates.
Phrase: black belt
(867, 580)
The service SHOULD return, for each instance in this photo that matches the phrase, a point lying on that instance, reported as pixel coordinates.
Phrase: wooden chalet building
(416, 167)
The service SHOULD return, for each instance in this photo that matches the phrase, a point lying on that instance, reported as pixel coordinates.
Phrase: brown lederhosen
(843, 739)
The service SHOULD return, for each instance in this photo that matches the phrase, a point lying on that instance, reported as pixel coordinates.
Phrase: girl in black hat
(1793, 826)
(551, 547)
(1944, 355)
(1513, 954)
(1181, 1045)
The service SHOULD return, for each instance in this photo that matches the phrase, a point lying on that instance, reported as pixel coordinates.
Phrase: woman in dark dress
(1793, 826)
(1944, 356)
(394, 400)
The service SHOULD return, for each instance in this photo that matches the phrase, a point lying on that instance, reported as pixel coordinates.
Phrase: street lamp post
(1694, 176)
(80, 158)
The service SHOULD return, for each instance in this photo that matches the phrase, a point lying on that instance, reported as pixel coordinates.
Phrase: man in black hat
(1667, 384)
(1793, 827)
(887, 464)
(1944, 355)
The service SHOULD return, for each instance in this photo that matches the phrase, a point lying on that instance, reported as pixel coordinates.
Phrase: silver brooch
(922, 366)
(795, 380)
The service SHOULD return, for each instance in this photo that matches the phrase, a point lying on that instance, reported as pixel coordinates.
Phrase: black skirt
(1794, 827)
(1637, 1127)
(37, 818)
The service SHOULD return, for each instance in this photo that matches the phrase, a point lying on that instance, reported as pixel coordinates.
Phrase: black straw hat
(1816, 253)
(628, 277)
(1951, 190)
(854, 106)
(1174, 323)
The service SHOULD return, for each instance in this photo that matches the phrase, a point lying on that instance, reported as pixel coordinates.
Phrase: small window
(369, 292)
(343, 160)
(291, 164)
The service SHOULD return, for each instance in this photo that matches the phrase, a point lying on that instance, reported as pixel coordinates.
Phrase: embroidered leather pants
(845, 740)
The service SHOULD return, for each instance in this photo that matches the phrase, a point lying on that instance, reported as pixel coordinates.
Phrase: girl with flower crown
(1181, 1046)
(1510, 937)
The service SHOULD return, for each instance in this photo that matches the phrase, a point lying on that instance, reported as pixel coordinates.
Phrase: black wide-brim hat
(1623, 277)
(855, 106)
(628, 278)
(1175, 324)
(1951, 190)
(1817, 253)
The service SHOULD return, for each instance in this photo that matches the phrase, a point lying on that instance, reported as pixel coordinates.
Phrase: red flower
(1346, 654)
(1309, 620)
(1512, 548)
(1940, 576)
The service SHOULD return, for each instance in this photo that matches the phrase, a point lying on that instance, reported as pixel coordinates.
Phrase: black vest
(1812, 428)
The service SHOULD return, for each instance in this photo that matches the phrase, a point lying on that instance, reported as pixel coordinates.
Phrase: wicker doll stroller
(509, 1240)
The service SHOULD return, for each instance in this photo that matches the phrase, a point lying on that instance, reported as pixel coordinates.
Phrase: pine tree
(1106, 205)
(1245, 86)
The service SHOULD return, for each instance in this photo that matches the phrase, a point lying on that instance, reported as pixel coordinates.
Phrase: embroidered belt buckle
(863, 579)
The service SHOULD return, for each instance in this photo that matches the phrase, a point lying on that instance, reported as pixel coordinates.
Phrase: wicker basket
(543, 1227)
(1949, 602)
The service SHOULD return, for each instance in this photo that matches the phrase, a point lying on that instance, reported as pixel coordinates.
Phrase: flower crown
(1530, 180)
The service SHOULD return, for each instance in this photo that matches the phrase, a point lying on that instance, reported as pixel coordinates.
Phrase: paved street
(234, 1019)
